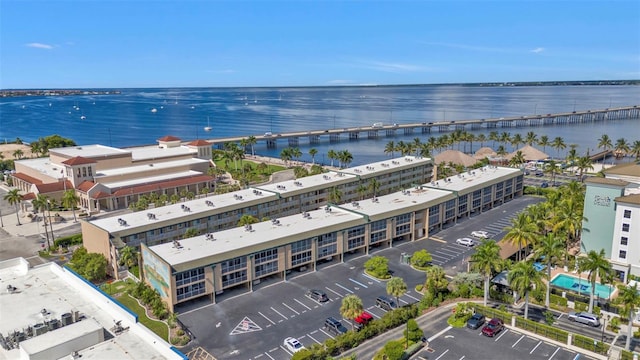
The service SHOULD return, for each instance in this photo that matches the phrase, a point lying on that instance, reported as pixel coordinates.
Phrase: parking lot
(508, 344)
(253, 325)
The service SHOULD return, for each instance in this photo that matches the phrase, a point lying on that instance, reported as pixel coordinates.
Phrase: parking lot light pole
(605, 317)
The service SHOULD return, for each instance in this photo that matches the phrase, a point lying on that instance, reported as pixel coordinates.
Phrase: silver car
(585, 318)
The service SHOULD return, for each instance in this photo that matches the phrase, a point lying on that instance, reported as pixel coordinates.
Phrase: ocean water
(140, 116)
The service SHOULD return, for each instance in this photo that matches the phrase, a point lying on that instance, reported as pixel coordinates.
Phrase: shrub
(421, 259)
(419, 287)
(378, 266)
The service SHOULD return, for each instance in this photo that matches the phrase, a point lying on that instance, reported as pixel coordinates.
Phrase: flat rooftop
(169, 213)
(88, 151)
(150, 179)
(382, 167)
(320, 181)
(154, 152)
(474, 179)
(44, 166)
(46, 292)
(148, 167)
(413, 199)
(226, 242)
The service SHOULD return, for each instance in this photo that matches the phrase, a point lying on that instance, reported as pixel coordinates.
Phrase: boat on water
(154, 110)
(208, 127)
(83, 117)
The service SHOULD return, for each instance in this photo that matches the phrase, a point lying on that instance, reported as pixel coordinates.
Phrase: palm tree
(501, 151)
(635, 149)
(597, 265)
(374, 186)
(362, 190)
(247, 220)
(416, 144)
(390, 148)
(544, 142)
(251, 141)
(551, 247)
(604, 143)
(517, 159)
(332, 155)
(553, 169)
(481, 138)
(13, 197)
(630, 299)
(40, 203)
(523, 278)
(396, 287)
(18, 154)
(522, 232)
(286, 155)
(351, 307)
(486, 260)
(70, 199)
(335, 195)
(516, 140)
(493, 136)
(572, 155)
(558, 144)
(505, 138)
(584, 163)
(345, 157)
(128, 256)
(622, 147)
(531, 138)
(313, 152)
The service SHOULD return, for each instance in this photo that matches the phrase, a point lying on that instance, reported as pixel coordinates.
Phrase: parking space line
(577, 356)
(501, 335)
(516, 343)
(441, 355)
(361, 284)
(299, 302)
(416, 299)
(333, 291)
(438, 334)
(269, 356)
(343, 288)
(554, 353)
(463, 356)
(433, 238)
(285, 350)
(534, 348)
(269, 320)
(290, 308)
(312, 338)
(258, 356)
(326, 333)
(370, 277)
(277, 312)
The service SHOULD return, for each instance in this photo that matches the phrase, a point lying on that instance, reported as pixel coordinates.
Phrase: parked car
(293, 344)
(385, 303)
(334, 326)
(465, 242)
(493, 327)
(317, 295)
(480, 234)
(539, 173)
(584, 318)
(362, 320)
(475, 321)
(544, 185)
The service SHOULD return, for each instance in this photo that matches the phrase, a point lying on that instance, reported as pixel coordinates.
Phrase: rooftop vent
(176, 244)
(297, 183)
(306, 215)
(355, 204)
(151, 216)
(209, 236)
(326, 177)
(122, 222)
(248, 228)
(385, 165)
(209, 203)
(275, 222)
(327, 209)
(11, 289)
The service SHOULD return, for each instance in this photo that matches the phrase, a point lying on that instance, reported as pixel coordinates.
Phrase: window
(624, 240)
(625, 227)
(623, 254)
(189, 276)
(627, 214)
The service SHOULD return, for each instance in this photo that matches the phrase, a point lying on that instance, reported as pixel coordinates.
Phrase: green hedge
(590, 344)
(626, 355)
(557, 300)
(67, 241)
(542, 329)
(492, 313)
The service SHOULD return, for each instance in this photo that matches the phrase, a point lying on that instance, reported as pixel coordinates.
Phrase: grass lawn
(160, 328)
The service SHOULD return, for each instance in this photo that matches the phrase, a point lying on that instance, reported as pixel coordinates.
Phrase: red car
(493, 327)
(362, 320)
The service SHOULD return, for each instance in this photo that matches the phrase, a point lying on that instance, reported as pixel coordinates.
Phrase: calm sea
(140, 116)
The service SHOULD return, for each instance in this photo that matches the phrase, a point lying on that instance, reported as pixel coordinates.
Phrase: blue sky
(144, 43)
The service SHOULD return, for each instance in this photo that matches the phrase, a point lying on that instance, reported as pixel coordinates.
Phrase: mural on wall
(156, 272)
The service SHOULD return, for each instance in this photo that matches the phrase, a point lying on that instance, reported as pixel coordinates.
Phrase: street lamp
(605, 318)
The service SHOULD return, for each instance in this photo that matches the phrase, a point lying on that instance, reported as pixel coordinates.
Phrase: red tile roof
(169, 138)
(54, 187)
(141, 189)
(101, 195)
(86, 185)
(199, 143)
(27, 178)
(29, 196)
(78, 160)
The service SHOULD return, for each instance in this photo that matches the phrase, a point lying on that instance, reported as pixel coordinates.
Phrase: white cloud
(340, 82)
(537, 50)
(39, 46)
(392, 67)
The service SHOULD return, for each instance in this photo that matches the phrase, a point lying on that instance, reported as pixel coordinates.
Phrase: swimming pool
(582, 286)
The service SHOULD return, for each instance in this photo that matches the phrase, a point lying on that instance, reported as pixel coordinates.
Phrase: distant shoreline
(114, 91)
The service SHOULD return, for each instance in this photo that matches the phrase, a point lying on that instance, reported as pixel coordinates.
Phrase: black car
(475, 321)
(317, 295)
(544, 185)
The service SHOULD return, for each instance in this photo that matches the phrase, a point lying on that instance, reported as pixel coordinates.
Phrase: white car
(480, 234)
(465, 242)
(293, 344)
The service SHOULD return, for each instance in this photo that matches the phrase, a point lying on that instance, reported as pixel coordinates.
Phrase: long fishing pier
(377, 130)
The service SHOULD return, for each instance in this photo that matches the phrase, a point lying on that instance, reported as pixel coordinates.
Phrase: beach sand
(8, 149)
